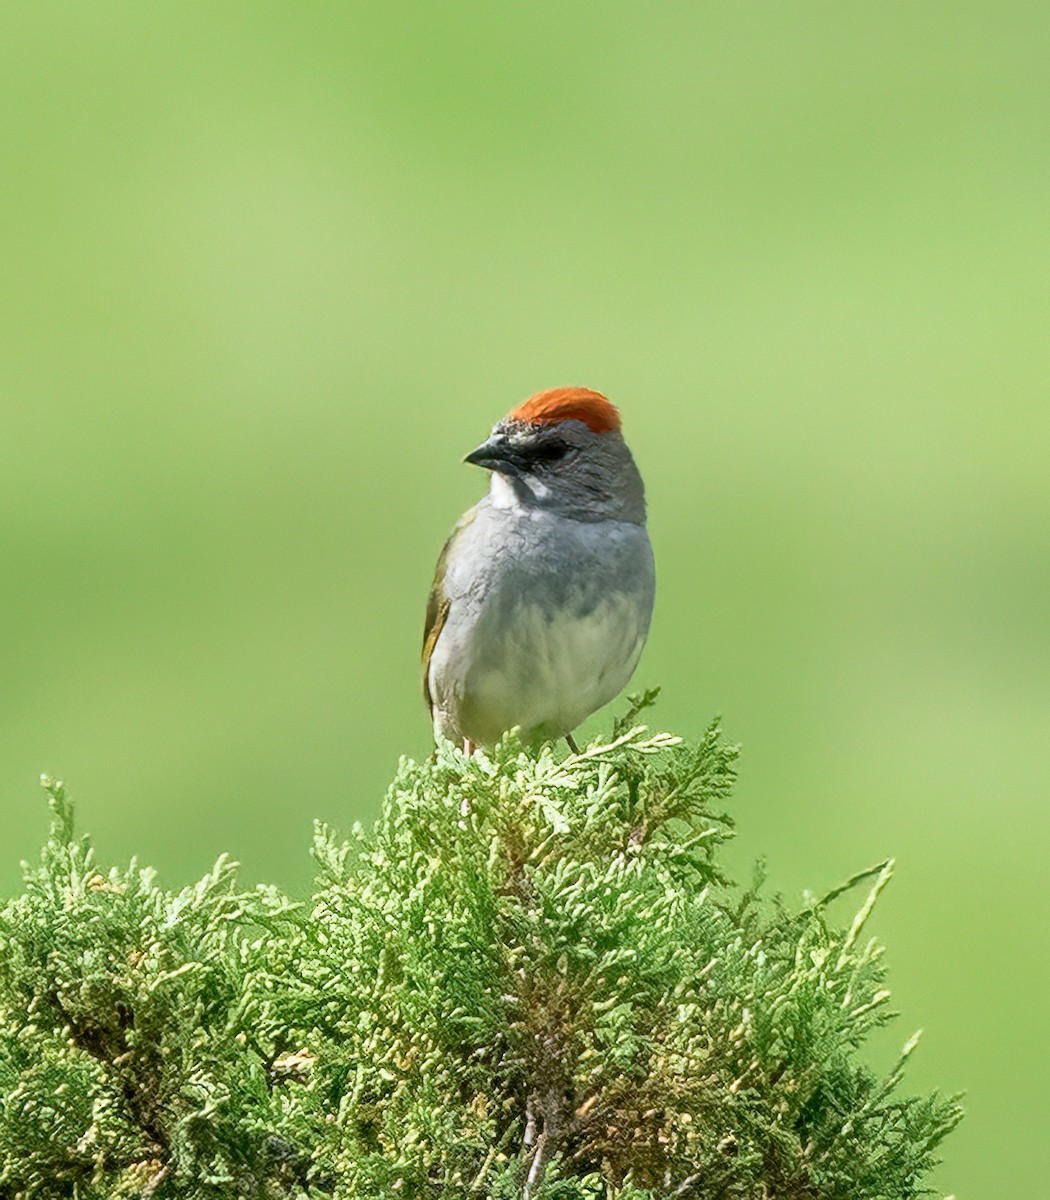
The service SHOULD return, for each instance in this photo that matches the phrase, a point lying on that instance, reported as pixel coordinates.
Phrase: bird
(543, 593)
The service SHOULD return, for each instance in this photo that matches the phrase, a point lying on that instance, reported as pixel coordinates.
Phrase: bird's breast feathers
(546, 622)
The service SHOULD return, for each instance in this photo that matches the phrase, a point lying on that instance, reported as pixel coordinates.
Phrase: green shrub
(530, 979)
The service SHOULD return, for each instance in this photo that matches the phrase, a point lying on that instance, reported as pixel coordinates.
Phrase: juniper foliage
(530, 980)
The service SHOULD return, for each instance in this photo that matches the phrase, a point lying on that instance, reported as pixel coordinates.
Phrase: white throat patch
(504, 496)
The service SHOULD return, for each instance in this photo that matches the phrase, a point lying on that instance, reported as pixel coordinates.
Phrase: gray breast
(548, 617)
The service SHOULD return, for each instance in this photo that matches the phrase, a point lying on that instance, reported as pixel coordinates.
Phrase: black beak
(496, 455)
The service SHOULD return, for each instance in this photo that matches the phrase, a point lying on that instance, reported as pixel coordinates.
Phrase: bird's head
(562, 449)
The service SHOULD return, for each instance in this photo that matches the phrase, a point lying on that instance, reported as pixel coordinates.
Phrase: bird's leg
(464, 805)
(572, 743)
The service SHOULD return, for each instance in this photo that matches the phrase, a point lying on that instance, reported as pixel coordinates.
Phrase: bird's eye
(549, 452)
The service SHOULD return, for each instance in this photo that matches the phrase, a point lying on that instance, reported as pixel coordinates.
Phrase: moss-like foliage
(531, 979)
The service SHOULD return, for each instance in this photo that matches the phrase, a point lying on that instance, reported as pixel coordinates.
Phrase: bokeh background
(268, 271)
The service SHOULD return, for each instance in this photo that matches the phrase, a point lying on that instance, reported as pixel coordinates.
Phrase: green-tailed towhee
(543, 593)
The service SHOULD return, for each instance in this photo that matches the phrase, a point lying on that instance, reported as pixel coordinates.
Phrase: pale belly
(547, 671)
(546, 622)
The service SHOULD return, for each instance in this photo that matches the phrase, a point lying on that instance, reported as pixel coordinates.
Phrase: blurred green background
(268, 271)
